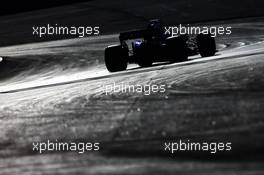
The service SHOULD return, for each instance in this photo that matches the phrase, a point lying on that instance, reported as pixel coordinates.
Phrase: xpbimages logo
(195, 30)
(145, 89)
(187, 145)
(55, 146)
(80, 31)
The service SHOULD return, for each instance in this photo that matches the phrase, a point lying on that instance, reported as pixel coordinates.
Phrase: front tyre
(116, 58)
(206, 45)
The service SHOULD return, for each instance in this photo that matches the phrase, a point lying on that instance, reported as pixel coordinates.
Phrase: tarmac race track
(51, 91)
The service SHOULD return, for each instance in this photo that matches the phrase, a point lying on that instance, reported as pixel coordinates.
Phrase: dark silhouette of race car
(144, 47)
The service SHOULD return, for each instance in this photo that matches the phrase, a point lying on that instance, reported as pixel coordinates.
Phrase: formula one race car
(144, 47)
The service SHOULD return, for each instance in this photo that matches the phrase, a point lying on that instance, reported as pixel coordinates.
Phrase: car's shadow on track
(153, 66)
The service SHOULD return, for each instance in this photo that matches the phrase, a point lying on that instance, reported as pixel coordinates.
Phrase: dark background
(18, 18)
(13, 7)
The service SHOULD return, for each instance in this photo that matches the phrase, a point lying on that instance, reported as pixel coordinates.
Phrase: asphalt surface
(52, 92)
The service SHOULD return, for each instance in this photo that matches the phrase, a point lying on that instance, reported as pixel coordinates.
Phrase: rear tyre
(177, 49)
(206, 45)
(116, 58)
